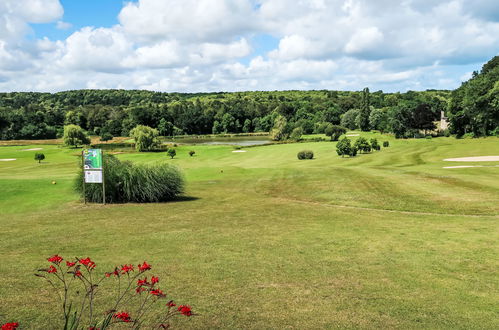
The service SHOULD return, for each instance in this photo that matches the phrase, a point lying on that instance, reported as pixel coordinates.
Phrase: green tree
(75, 136)
(374, 144)
(362, 145)
(348, 119)
(247, 126)
(172, 153)
(365, 111)
(378, 120)
(106, 136)
(296, 134)
(165, 128)
(39, 157)
(280, 129)
(217, 127)
(146, 138)
(343, 147)
(335, 131)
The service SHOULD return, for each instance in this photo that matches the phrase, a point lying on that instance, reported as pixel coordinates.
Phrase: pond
(242, 141)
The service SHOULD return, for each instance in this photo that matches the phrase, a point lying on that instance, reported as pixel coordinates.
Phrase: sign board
(93, 176)
(92, 159)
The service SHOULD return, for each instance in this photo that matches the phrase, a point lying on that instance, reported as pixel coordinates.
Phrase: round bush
(386, 144)
(129, 182)
(305, 154)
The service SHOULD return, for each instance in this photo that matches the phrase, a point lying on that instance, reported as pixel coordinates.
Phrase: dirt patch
(474, 159)
(7, 159)
(32, 149)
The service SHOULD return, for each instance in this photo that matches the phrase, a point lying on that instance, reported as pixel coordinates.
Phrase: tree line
(472, 108)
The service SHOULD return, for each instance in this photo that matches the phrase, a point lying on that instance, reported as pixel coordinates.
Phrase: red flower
(140, 289)
(52, 269)
(115, 273)
(126, 268)
(145, 266)
(171, 304)
(157, 292)
(123, 316)
(154, 279)
(70, 264)
(56, 259)
(88, 263)
(78, 273)
(185, 310)
(93, 328)
(142, 282)
(10, 326)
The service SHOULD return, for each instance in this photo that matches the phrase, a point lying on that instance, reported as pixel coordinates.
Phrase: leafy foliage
(39, 157)
(343, 147)
(146, 138)
(172, 152)
(296, 134)
(305, 154)
(335, 131)
(130, 182)
(362, 145)
(75, 136)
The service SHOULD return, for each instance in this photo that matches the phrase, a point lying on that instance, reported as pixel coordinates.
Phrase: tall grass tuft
(129, 182)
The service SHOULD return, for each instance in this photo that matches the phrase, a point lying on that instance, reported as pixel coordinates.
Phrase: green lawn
(389, 239)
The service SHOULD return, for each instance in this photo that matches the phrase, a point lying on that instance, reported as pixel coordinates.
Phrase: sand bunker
(474, 159)
(32, 149)
(7, 159)
(239, 151)
(352, 135)
(467, 166)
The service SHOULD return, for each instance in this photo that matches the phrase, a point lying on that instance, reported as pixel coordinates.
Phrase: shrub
(296, 134)
(191, 153)
(106, 136)
(428, 137)
(171, 152)
(305, 154)
(129, 182)
(137, 301)
(146, 138)
(39, 157)
(75, 136)
(335, 131)
(386, 144)
(353, 152)
(343, 147)
(374, 144)
(362, 145)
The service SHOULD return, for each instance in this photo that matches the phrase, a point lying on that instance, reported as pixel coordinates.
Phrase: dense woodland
(473, 109)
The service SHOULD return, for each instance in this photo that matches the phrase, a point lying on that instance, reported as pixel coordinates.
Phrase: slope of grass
(388, 239)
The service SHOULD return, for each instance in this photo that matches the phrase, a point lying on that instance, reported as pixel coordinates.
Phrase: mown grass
(384, 240)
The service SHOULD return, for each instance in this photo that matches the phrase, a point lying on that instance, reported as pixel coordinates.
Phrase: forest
(472, 109)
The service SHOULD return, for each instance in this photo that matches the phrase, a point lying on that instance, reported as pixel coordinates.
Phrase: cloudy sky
(234, 45)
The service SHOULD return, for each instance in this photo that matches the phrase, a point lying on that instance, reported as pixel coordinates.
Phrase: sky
(241, 45)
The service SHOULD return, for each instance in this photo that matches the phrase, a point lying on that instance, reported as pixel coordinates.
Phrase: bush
(171, 152)
(353, 152)
(129, 182)
(296, 134)
(343, 147)
(305, 154)
(75, 136)
(362, 145)
(39, 157)
(386, 144)
(428, 137)
(106, 137)
(191, 153)
(374, 144)
(146, 138)
(335, 131)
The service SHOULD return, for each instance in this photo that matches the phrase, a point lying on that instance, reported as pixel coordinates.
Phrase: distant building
(444, 122)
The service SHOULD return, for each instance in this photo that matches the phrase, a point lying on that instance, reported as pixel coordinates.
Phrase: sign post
(93, 171)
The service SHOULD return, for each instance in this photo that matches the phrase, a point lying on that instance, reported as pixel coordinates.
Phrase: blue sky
(231, 45)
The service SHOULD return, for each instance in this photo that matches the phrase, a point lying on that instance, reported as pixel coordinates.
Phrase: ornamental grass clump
(130, 182)
(305, 154)
(138, 301)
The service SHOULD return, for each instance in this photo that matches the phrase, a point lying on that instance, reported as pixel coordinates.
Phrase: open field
(389, 239)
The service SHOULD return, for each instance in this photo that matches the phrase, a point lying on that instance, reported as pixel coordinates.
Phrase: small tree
(296, 134)
(191, 153)
(39, 157)
(74, 136)
(335, 131)
(172, 153)
(279, 130)
(353, 152)
(374, 144)
(362, 145)
(146, 138)
(343, 147)
(386, 144)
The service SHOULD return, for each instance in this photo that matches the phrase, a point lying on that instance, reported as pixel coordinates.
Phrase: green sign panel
(92, 159)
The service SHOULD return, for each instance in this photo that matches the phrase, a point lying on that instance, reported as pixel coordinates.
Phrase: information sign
(92, 159)
(93, 176)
